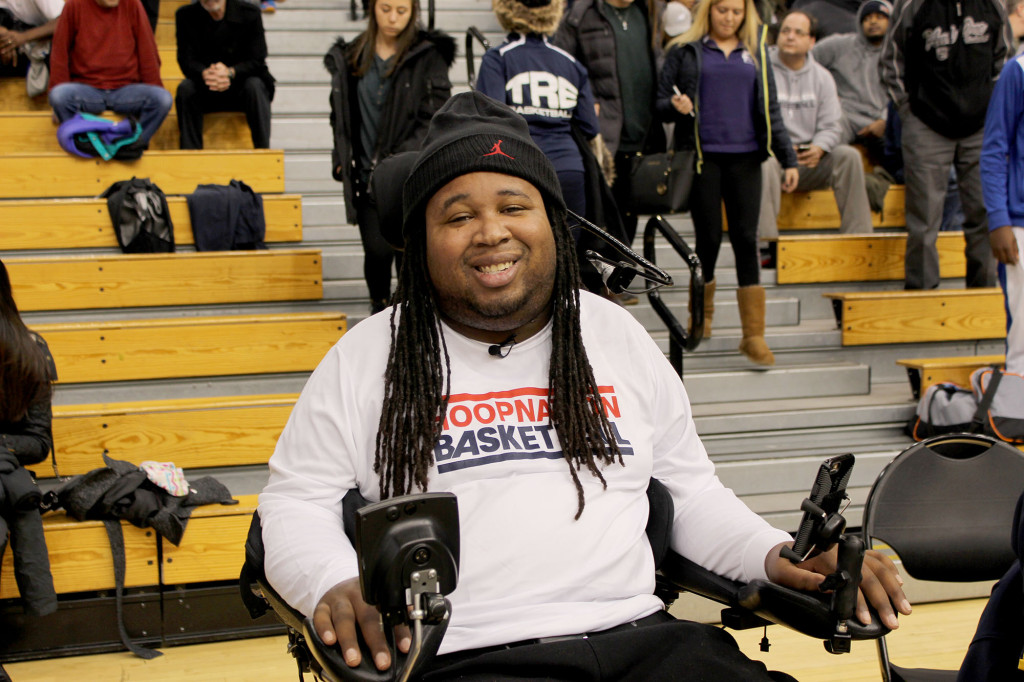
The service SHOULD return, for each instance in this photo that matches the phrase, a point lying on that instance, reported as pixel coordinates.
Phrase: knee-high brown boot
(709, 306)
(753, 345)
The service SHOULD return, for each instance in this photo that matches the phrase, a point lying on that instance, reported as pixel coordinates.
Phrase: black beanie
(470, 133)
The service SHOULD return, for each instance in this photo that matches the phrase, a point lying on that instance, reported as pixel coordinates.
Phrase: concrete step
(302, 100)
(290, 18)
(305, 133)
(776, 383)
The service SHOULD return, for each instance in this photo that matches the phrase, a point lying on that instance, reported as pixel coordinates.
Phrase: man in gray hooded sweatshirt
(852, 59)
(811, 112)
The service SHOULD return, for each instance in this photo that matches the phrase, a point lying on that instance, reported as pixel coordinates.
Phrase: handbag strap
(987, 397)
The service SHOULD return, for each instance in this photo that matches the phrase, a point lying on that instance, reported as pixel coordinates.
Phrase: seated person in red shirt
(223, 53)
(104, 57)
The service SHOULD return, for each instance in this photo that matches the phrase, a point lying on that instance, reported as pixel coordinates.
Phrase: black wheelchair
(408, 550)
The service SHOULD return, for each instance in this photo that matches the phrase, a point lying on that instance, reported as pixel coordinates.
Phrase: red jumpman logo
(496, 149)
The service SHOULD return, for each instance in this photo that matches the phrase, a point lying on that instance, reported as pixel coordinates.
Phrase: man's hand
(10, 41)
(790, 179)
(1004, 244)
(217, 77)
(880, 583)
(335, 619)
(811, 156)
(873, 129)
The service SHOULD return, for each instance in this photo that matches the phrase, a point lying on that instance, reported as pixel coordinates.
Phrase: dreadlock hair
(417, 381)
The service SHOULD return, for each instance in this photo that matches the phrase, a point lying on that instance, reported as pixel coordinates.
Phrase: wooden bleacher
(80, 559)
(190, 347)
(35, 131)
(817, 210)
(879, 317)
(222, 431)
(803, 259)
(925, 372)
(85, 223)
(164, 279)
(59, 174)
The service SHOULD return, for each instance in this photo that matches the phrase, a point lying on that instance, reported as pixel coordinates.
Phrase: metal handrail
(680, 339)
(473, 33)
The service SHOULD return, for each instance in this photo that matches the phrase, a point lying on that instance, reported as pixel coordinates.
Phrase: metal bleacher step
(776, 383)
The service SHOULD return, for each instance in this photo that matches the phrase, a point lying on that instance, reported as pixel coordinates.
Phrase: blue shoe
(268, 6)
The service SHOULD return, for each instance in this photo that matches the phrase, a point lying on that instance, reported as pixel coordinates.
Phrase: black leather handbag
(661, 183)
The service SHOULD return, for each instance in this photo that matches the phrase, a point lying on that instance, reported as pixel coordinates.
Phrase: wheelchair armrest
(806, 612)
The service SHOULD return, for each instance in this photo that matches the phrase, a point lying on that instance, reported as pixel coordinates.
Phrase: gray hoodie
(808, 100)
(853, 63)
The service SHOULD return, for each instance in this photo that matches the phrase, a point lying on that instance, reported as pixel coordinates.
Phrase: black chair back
(945, 506)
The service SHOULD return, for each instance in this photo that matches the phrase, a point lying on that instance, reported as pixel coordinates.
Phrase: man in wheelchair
(546, 410)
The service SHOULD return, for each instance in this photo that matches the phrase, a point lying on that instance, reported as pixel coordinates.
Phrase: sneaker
(268, 6)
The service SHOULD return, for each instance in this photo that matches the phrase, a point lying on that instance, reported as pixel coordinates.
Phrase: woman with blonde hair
(717, 87)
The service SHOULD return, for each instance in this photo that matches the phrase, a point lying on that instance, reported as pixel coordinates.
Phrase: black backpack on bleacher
(142, 221)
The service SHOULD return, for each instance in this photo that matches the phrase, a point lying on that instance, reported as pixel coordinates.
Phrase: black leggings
(736, 179)
(377, 253)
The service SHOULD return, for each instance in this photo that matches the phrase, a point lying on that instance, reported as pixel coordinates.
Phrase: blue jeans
(148, 103)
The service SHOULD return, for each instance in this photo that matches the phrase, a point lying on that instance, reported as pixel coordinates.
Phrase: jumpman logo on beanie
(496, 149)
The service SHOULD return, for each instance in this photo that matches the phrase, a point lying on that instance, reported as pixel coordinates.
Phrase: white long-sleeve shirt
(528, 569)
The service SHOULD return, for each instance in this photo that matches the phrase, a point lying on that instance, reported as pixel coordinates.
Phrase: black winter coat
(586, 34)
(419, 86)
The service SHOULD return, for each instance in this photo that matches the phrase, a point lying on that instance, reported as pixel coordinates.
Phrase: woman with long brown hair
(385, 86)
(26, 371)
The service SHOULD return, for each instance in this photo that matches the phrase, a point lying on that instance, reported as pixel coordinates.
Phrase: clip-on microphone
(501, 350)
(618, 275)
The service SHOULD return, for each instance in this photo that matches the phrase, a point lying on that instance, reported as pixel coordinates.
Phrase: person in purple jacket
(718, 88)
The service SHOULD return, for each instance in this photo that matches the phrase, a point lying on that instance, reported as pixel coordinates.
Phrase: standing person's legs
(377, 256)
(771, 198)
(622, 192)
(926, 159)
(741, 178)
(256, 105)
(1011, 279)
(706, 212)
(190, 105)
(67, 99)
(149, 102)
(847, 181)
(981, 265)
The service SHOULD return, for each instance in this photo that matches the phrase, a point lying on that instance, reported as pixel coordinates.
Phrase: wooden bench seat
(163, 279)
(172, 348)
(35, 131)
(60, 174)
(80, 559)
(191, 432)
(858, 257)
(85, 223)
(817, 210)
(878, 317)
(213, 546)
(14, 98)
(925, 372)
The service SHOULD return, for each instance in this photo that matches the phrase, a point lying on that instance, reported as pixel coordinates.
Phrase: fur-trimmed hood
(337, 56)
(515, 17)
